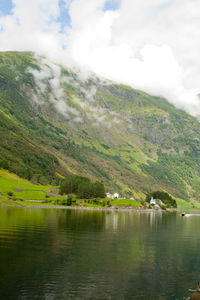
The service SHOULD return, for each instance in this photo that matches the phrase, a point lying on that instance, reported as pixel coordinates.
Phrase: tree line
(82, 187)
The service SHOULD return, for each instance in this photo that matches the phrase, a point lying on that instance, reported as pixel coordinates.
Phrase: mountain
(56, 121)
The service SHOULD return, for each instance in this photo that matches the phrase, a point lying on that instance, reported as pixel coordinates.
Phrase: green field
(15, 190)
(10, 181)
(184, 204)
(126, 203)
(23, 190)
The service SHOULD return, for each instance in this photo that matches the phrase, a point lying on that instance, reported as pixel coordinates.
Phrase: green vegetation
(182, 204)
(10, 181)
(127, 203)
(17, 191)
(82, 187)
(164, 197)
(130, 141)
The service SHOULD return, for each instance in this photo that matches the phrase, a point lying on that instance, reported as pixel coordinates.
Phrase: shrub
(10, 194)
(64, 201)
(71, 200)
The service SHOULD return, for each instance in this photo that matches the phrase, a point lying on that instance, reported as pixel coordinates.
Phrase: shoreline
(112, 209)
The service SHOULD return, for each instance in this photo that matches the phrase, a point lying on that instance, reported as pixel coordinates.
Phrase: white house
(109, 195)
(115, 196)
(112, 196)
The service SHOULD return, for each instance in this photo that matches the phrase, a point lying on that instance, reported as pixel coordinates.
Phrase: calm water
(68, 254)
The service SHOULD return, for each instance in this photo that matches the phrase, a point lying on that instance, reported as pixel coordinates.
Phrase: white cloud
(146, 44)
(49, 85)
(32, 26)
(151, 45)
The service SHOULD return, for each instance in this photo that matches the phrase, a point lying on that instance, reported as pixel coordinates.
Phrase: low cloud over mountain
(151, 45)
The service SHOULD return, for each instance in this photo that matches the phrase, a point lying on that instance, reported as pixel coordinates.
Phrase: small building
(109, 195)
(152, 201)
(112, 196)
(156, 203)
(115, 196)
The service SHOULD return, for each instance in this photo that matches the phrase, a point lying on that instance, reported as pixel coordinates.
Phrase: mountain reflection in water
(74, 254)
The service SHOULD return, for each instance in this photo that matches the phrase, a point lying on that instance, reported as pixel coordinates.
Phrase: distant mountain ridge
(53, 123)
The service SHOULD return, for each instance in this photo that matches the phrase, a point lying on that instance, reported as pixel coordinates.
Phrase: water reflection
(55, 254)
(111, 221)
(155, 218)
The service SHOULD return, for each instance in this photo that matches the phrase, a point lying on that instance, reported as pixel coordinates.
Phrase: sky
(150, 45)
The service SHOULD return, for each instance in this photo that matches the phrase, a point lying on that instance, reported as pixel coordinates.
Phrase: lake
(88, 254)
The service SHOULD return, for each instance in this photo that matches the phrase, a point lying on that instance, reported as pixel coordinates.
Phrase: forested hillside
(55, 122)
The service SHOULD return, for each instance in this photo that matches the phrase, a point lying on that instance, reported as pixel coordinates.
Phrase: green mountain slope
(55, 122)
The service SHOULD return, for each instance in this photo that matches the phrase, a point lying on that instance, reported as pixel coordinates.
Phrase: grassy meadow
(17, 191)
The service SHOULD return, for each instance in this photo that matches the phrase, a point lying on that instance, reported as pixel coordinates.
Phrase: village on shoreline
(119, 204)
(17, 192)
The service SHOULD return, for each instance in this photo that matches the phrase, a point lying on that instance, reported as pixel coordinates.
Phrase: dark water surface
(69, 254)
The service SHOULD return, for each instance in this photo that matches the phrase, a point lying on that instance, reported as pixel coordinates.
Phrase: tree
(98, 190)
(4, 164)
(163, 196)
(71, 184)
(82, 187)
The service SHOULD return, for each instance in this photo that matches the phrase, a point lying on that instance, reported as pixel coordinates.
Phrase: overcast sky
(152, 45)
